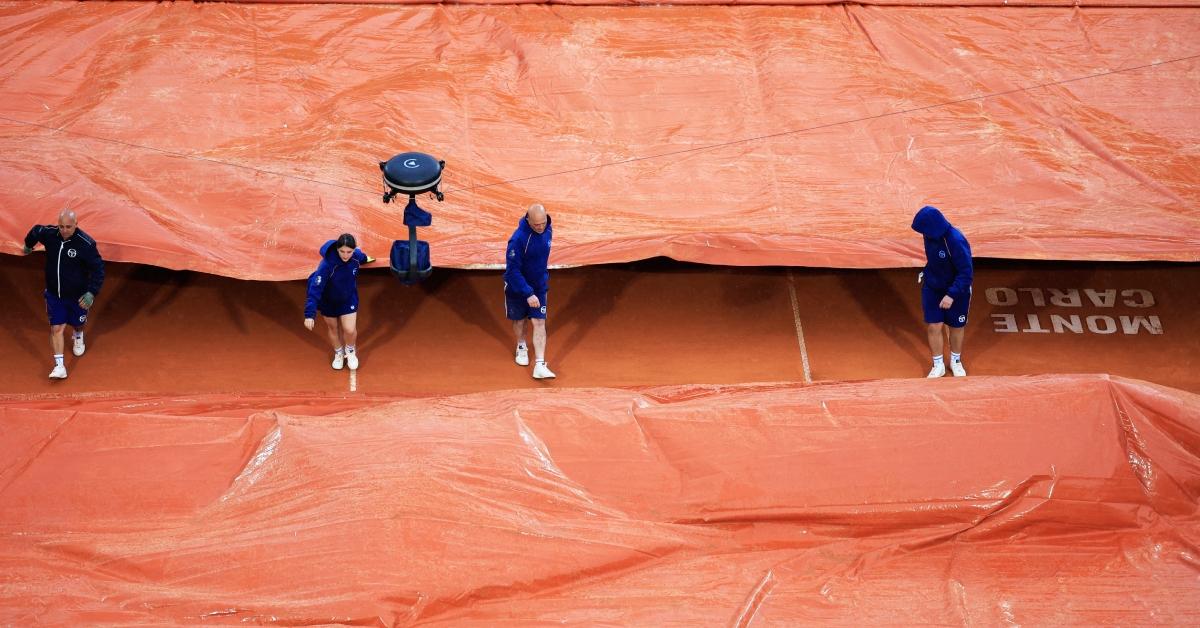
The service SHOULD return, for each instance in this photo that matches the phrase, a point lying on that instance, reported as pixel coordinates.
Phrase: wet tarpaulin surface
(1033, 501)
(235, 138)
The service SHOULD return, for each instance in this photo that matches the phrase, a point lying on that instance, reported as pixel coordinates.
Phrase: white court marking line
(353, 380)
(799, 328)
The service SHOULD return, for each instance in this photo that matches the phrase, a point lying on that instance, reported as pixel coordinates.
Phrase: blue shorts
(517, 306)
(340, 308)
(64, 311)
(956, 316)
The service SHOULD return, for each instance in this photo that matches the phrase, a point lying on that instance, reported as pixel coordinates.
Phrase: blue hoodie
(948, 268)
(527, 259)
(334, 282)
(73, 266)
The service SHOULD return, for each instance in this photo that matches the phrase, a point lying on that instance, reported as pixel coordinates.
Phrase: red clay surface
(644, 324)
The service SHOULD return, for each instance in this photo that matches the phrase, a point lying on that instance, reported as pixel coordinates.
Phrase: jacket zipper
(58, 271)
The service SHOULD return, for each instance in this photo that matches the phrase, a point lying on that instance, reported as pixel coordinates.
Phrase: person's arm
(362, 258)
(95, 266)
(960, 255)
(513, 259)
(32, 238)
(316, 288)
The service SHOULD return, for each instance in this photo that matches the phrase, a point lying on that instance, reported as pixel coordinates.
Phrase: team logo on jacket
(82, 318)
(942, 254)
(962, 318)
(543, 309)
(318, 280)
(70, 252)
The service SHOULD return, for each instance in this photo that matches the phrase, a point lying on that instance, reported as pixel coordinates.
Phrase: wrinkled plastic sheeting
(236, 138)
(1029, 501)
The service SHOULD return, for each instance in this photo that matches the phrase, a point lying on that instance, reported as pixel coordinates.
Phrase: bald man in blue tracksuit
(526, 282)
(74, 275)
(946, 291)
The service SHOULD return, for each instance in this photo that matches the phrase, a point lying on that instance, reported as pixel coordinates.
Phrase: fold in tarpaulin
(1027, 501)
(235, 138)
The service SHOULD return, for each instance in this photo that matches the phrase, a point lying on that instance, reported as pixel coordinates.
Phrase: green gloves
(25, 250)
(86, 300)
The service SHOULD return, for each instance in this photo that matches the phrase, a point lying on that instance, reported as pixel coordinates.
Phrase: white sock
(937, 360)
(521, 345)
(79, 334)
(349, 349)
(539, 361)
(339, 351)
(955, 357)
(58, 359)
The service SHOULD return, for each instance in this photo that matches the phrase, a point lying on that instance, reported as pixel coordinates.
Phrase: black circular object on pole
(412, 174)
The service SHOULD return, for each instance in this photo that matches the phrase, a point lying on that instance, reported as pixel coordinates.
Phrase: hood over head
(930, 222)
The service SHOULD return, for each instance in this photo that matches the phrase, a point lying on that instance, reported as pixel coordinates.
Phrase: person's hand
(309, 324)
(369, 260)
(947, 301)
(25, 250)
(86, 300)
(533, 301)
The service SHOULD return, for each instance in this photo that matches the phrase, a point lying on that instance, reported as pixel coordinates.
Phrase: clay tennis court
(740, 433)
(642, 324)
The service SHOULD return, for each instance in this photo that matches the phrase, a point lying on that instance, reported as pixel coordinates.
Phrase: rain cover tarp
(989, 501)
(235, 138)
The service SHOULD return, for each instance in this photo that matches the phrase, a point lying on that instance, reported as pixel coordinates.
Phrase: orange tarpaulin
(1031, 501)
(235, 138)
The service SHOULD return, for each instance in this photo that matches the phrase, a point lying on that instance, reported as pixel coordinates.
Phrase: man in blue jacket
(74, 274)
(946, 291)
(526, 281)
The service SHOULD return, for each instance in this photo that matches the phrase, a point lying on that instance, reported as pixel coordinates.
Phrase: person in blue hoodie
(74, 275)
(333, 290)
(946, 291)
(526, 282)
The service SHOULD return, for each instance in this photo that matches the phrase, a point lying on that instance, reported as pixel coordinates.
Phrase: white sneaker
(337, 360)
(78, 348)
(352, 361)
(59, 372)
(541, 371)
(522, 356)
(958, 369)
(938, 370)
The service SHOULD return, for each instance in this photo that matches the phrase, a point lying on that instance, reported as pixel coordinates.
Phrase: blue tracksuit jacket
(948, 267)
(527, 259)
(73, 266)
(334, 282)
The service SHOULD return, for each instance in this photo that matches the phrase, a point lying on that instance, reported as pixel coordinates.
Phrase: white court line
(799, 328)
(353, 380)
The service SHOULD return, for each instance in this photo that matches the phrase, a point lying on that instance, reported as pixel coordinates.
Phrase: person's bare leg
(56, 343)
(349, 335)
(539, 339)
(349, 329)
(56, 338)
(937, 345)
(956, 338)
(519, 330)
(540, 369)
(333, 331)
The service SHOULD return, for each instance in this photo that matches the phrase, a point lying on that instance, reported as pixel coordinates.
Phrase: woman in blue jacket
(333, 289)
(946, 291)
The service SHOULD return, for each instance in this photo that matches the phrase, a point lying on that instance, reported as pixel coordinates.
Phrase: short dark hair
(345, 240)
